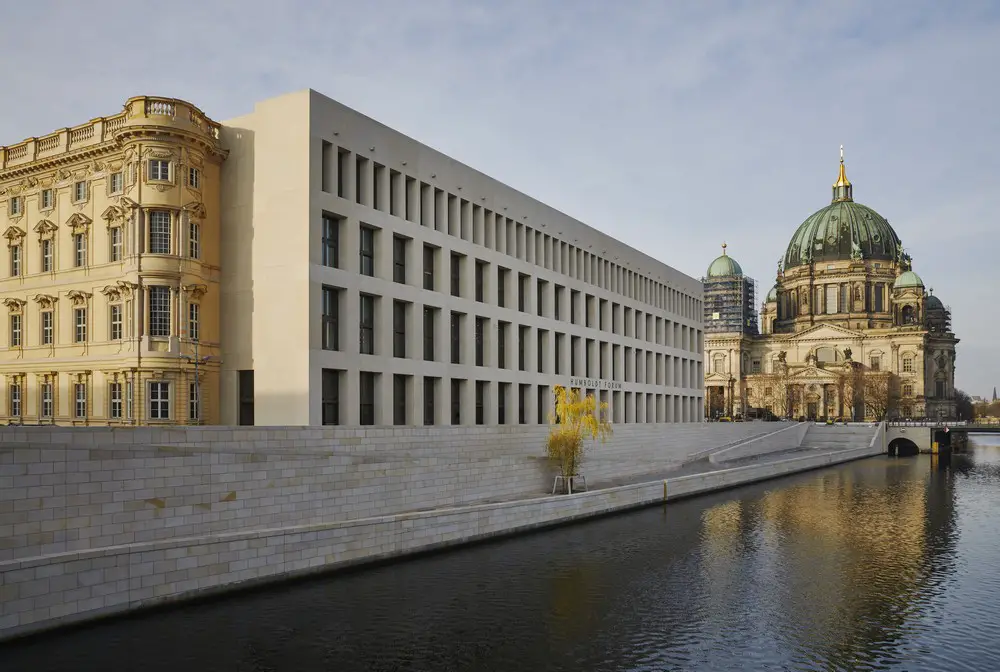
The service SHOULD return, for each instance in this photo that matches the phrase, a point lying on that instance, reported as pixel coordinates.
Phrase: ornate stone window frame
(160, 154)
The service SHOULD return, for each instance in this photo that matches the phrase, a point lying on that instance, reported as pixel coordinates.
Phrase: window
(907, 364)
(456, 338)
(480, 280)
(428, 334)
(47, 327)
(939, 389)
(47, 265)
(331, 241)
(456, 402)
(428, 267)
(159, 310)
(194, 401)
(755, 366)
(159, 170)
(117, 183)
(429, 400)
(115, 397)
(501, 287)
(330, 336)
(367, 251)
(159, 400)
(502, 389)
(47, 402)
(875, 362)
(331, 397)
(367, 398)
(522, 289)
(14, 206)
(481, 402)
(194, 178)
(117, 246)
(398, 399)
(129, 398)
(522, 348)
(115, 313)
(15, 400)
(15, 260)
(159, 232)
(80, 400)
(47, 200)
(79, 325)
(399, 260)
(79, 192)
(480, 338)
(907, 390)
(398, 329)
(15, 331)
(79, 249)
(367, 324)
(502, 345)
(456, 275)
(522, 401)
(194, 240)
(194, 321)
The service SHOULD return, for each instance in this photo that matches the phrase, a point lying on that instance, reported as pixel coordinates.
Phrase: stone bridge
(909, 437)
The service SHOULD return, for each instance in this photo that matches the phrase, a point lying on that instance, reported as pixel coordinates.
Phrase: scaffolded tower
(730, 298)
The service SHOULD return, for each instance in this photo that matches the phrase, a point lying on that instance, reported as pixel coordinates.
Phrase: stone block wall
(75, 489)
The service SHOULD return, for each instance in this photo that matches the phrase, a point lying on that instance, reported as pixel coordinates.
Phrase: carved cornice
(195, 292)
(45, 229)
(126, 288)
(79, 222)
(78, 297)
(113, 215)
(14, 235)
(46, 300)
(14, 305)
(112, 292)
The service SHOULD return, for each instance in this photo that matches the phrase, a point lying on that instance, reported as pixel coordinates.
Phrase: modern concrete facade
(110, 284)
(370, 280)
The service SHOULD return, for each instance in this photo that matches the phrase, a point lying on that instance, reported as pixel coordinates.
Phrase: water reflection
(886, 564)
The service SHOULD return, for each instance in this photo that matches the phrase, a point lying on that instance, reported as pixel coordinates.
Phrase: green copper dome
(724, 266)
(843, 231)
(934, 303)
(772, 295)
(908, 279)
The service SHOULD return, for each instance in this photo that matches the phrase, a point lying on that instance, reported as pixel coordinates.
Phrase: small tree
(575, 419)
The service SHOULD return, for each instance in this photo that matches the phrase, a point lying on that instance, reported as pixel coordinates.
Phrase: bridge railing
(945, 423)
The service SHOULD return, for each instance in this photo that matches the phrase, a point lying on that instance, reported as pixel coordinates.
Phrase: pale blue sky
(670, 125)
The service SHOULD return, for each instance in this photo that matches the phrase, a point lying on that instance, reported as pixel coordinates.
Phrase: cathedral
(847, 332)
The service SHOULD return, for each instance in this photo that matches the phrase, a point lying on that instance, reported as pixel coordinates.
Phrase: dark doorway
(812, 410)
(245, 394)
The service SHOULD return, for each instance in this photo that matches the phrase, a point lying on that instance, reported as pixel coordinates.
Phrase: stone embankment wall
(98, 520)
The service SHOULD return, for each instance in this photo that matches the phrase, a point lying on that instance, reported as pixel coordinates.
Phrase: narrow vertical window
(194, 401)
(47, 327)
(79, 249)
(398, 329)
(79, 325)
(428, 267)
(117, 244)
(194, 321)
(331, 397)
(399, 260)
(15, 331)
(331, 241)
(115, 315)
(367, 398)
(194, 240)
(80, 403)
(159, 310)
(15, 400)
(159, 232)
(15, 260)
(367, 325)
(79, 192)
(47, 402)
(428, 334)
(47, 259)
(115, 401)
(330, 336)
(367, 251)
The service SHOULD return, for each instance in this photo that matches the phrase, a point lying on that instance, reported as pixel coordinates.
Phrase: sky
(673, 126)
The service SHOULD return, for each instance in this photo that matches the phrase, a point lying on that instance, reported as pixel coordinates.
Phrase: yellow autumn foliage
(575, 419)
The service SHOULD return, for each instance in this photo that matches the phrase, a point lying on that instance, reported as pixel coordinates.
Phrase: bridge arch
(903, 448)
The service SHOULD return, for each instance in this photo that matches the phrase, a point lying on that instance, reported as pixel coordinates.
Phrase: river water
(883, 564)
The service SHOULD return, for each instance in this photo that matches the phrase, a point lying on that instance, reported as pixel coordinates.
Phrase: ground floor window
(159, 400)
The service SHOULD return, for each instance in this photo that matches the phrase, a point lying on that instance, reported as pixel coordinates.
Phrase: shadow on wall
(236, 238)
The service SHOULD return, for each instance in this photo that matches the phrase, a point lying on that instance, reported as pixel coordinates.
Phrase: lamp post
(198, 360)
(732, 382)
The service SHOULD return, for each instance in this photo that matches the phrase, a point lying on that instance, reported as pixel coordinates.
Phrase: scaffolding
(730, 305)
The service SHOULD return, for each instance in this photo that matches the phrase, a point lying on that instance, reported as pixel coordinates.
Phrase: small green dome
(773, 294)
(934, 303)
(908, 279)
(724, 266)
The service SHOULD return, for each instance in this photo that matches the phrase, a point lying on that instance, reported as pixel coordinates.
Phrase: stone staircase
(838, 437)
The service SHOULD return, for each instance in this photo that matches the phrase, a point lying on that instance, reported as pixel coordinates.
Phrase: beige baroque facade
(848, 330)
(110, 286)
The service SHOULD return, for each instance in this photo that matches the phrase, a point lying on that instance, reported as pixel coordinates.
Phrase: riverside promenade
(165, 520)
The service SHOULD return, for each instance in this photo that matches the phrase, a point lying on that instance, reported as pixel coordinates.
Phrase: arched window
(908, 315)
(907, 363)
